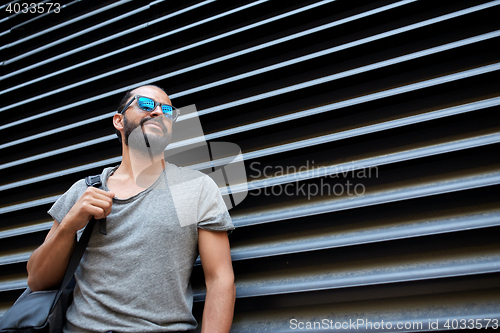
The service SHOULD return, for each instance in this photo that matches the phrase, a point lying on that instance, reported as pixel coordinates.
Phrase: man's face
(147, 132)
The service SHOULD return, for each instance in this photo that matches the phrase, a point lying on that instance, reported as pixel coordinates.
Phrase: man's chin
(151, 144)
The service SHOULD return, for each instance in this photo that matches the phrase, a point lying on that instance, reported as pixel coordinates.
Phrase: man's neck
(140, 167)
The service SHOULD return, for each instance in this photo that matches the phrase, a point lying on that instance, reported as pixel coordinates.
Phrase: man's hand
(215, 258)
(93, 202)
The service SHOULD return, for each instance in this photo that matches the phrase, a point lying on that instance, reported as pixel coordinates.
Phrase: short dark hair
(126, 98)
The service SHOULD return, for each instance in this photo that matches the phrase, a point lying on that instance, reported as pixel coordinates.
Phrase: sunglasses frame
(136, 98)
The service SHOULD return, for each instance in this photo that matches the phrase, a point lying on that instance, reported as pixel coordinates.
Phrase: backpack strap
(97, 182)
(93, 181)
(77, 254)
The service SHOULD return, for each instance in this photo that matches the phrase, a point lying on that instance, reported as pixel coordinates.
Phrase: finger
(107, 211)
(106, 193)
(101, 203)
(102, 196)
(103, 192)
(96, 211)
(100, 215)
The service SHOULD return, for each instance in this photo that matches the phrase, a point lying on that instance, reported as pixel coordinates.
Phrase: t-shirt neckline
(108, 172)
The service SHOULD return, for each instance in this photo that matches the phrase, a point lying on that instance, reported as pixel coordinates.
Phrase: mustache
(158, 121)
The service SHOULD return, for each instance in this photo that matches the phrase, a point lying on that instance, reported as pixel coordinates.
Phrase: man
(136, 277)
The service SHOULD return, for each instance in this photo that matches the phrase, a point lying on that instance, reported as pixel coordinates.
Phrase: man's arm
(215, 258)
(47, 264)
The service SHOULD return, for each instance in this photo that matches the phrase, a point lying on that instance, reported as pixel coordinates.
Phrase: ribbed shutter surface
(369, 129)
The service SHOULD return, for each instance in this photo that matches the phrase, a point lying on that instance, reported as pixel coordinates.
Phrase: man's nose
(156, 111)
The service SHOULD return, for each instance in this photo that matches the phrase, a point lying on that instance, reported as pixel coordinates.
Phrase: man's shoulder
(80, 185)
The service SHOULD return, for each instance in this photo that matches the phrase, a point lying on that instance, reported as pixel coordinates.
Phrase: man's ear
(118, 121)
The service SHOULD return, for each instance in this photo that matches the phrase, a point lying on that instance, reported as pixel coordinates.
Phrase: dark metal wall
(376, 124)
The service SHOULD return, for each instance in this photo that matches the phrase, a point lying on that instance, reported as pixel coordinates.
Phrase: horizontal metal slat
(58, 151)
(381, 197)
(57, 130)
(13, 285)
(26, 230)
(5, 5)
(402, 231)
(30, 204)
(366, 236)
(15, 258)
(370, 162)
(379, 275)
(77, 169)
(85, 31)
(362, 99)
(61, 25)
(417, 312)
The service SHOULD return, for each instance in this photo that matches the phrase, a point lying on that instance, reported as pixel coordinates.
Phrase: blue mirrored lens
(146, 104)
(167, 110)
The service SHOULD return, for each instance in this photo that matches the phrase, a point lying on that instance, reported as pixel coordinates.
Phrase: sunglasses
(147, 104)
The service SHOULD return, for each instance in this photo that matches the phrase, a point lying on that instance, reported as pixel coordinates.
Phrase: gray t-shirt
(136, 278)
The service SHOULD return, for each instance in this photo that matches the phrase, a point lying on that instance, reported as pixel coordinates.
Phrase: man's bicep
(215, 253)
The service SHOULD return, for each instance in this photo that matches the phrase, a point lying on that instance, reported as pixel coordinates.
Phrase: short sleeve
(212, 211)
(66, 201)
